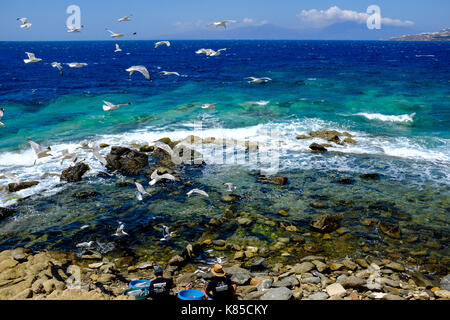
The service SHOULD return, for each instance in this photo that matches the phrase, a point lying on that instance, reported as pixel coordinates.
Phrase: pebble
(318, 296)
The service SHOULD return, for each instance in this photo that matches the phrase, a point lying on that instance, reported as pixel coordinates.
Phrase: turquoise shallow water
(393, 97)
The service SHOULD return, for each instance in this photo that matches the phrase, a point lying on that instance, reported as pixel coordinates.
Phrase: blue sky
(154, 18)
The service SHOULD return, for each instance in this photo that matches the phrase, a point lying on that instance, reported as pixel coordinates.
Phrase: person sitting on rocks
(220, 288)
(160, 288)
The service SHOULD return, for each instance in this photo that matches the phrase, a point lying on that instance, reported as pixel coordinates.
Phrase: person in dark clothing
(220, 288)
(160, 288)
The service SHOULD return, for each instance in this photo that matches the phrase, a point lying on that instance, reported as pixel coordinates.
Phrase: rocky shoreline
(26, 275)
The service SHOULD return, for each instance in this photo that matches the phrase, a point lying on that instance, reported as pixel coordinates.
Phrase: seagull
(126, 18)
(166, 234)
(119, 231)
(39, 150)
(31, 58)
(201, 192)
(84, 227)
(230, 186)
(119, 35)
(140, 69)
(210, 52)
(210, 106)
(168, 73)
(68, 156)
(77, 65)
(96, 153)
(2, 112)
(159, 43)
(258, 80)
(108, 106)
(117, 48)
(141, 191)
(85, 245)
(25, 24)
(221, 23)
(85, 145)
(11, 176)
(58, 65)
(156, 178)
(165, 147)
(72, 29)
(259, 103)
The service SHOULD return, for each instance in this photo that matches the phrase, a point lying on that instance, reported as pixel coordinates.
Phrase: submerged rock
(275, 180)
(6, 212)
(370, 176)
(327, 223)
(317, 147)
(14, 187)
(86, 194)
(390, 229)
(75, 173)
(126, 161)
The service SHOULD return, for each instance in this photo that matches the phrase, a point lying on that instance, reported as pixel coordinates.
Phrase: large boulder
(327, 223)
(75, 173)
(14, 187)
(127, 161)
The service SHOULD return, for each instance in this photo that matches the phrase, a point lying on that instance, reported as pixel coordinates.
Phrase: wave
(387, 118)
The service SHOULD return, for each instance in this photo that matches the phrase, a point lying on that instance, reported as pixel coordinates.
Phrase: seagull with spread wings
(31, 58)
(143, 70)
(40, 151)
(221, 23)
(25, 24)
(108, 106)
(59, 66)
(2, 112)
(159, 43)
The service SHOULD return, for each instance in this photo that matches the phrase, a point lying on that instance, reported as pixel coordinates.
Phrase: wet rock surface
(127, 161)
(75, 173)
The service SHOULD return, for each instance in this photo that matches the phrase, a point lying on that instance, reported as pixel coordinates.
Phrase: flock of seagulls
(42, 152)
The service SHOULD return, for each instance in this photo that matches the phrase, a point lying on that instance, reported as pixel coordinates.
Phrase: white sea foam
(390, 118)
(431, 162)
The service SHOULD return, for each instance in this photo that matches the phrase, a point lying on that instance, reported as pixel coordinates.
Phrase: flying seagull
(156, 178)
(117, 48)
(210, 106)
(85, 245)
(126, 18)
(77, 65)
(259, 80)
(39, 150)
(119, 231)
(2, 112)
(108, 106)
(141, 191)
(201, 192)
(72, 29)
(66, 155)
(58, 65)
(119, 35)
(140, 69)
(96, 154)
(210, 52)
(166, 234)
(159, 43)
(221, 23)
(170, 73)
(11, 176)
(25, 24)
(31, 58)
(230, 186)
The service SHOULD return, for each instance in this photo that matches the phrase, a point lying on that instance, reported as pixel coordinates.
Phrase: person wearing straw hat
(220, 288)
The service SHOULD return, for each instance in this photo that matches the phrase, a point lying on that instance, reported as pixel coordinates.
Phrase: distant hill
(443, 35)
(339, 31)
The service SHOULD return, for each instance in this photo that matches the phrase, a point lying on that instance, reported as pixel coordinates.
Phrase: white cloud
(323, 18)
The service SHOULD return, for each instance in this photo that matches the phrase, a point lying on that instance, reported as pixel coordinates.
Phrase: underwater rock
(6, 212)
(86, 194)
(370, 176)
(317, 147)
(390, 229)
(75, 173)
(230, 198)
(275, 180)
(126, 161)
(327, 223)
(14, 187)
(346, 180)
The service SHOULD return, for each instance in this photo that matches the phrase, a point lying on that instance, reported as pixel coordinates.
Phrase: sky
(155, 18)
